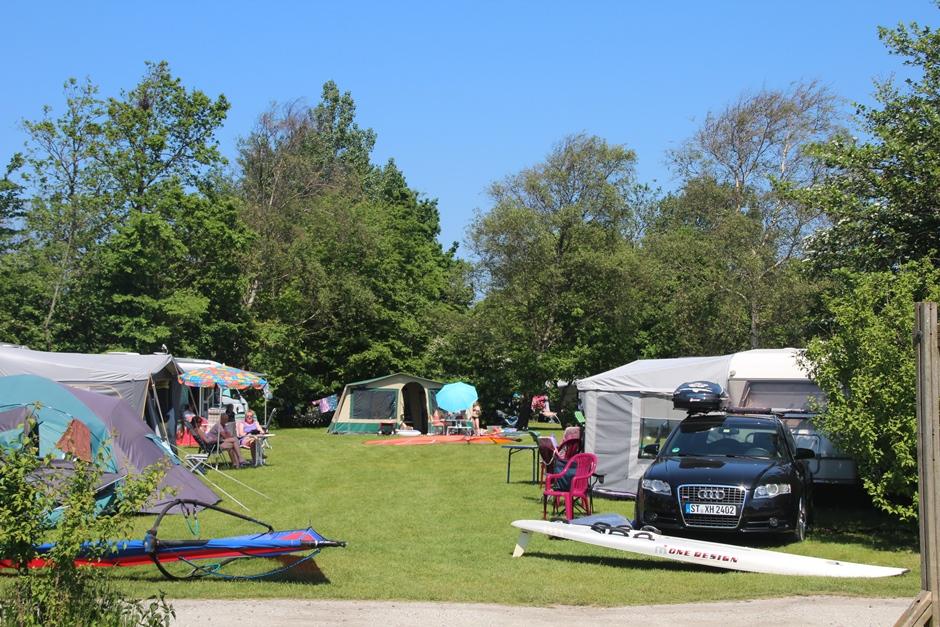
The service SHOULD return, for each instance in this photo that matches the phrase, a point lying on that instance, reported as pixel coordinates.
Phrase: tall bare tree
(70, 211)
(757, 148)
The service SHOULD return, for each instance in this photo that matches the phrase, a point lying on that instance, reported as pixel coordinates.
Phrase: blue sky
(459, 93)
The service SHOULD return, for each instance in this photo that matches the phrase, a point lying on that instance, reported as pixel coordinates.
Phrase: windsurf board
(699, 552)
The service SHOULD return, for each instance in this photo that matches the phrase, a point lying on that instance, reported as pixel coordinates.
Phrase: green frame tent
(395, 398)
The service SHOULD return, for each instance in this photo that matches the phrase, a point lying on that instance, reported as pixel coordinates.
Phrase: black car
(720, 472)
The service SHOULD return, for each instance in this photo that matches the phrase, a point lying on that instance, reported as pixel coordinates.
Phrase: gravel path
(820, 610)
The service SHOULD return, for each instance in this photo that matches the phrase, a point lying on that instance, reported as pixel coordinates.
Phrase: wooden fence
(925, 609)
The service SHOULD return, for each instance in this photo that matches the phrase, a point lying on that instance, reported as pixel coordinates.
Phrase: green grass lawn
(432, 523)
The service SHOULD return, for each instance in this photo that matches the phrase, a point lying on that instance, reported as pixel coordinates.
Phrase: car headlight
(770, 490)
(657, 486)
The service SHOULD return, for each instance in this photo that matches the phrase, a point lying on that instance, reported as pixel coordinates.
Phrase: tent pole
(240, 483)
(159, 416)
(220, 489)
(217, 486)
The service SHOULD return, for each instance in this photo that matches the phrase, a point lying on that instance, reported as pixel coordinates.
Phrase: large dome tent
(118, 437)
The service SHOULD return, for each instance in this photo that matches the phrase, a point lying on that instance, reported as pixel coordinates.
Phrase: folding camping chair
(207, 450)
(266, 427)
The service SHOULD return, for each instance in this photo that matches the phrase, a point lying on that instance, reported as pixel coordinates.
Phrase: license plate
(709, 508)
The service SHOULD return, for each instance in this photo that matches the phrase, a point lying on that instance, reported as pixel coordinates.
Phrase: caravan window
(782, 395)
(373, 404)
(655, 431)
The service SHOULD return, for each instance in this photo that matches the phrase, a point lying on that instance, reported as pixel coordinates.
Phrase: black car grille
(713, 495)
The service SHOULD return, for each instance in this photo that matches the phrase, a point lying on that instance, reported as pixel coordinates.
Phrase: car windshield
(725, 436)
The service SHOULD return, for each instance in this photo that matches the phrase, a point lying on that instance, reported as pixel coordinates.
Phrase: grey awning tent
(631, 406)
(132, 377)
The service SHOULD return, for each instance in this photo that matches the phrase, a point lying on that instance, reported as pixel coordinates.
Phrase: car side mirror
(651, 449)
(805, 453)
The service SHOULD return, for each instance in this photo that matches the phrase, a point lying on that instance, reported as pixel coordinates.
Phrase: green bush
(866, 367)
(62, 593)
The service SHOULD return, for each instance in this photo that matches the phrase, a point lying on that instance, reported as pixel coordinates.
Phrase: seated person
(548, 414)
(221, 433)
(438, 421)
(474, 416)
(570, 445)
(247, 433)
(186, 424)
(197, 425)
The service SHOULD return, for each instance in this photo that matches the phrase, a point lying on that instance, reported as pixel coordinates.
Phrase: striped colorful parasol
(222, 376)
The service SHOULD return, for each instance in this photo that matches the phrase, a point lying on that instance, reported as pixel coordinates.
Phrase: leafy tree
(349, 280)
(867, 369)
(160, 137)
(132, 300)
(755, 153)
(12, 205)
(22, 282)
(882, 197)
(557, 264)
(126, 197)
(881, 248)
(717, 277)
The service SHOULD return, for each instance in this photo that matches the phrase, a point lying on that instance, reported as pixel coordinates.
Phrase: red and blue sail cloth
(152, 549)
(223, 377)
(204, 557)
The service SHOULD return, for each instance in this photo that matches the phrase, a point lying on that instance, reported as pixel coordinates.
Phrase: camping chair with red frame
(584, 465)
(438, 426)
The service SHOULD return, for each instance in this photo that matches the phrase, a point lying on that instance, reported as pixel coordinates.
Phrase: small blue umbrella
(456, 396)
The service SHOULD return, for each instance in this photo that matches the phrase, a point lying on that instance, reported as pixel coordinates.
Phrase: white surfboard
(700, 552)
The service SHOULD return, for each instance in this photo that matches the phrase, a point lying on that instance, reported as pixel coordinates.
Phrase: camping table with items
(516, 448)
(458, 426)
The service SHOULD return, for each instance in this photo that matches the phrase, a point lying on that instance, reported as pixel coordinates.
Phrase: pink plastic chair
(585, 465)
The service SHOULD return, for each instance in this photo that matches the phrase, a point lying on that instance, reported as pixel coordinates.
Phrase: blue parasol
(456, 396)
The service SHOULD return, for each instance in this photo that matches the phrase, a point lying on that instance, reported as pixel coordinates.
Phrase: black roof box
(698, 396)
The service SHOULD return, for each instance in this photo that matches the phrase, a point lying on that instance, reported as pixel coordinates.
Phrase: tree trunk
(755, 327)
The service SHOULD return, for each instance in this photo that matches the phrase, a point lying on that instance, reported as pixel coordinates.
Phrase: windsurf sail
(203, 557)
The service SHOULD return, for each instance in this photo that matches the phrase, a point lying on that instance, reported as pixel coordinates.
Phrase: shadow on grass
(623, 562)
(845, 515)
(306, 572)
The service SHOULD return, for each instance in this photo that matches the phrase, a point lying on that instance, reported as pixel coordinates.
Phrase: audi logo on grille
(711, 494)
